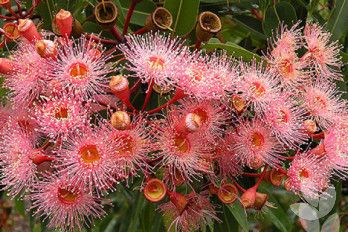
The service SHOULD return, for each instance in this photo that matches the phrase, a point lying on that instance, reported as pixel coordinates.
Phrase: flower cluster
(71, 133)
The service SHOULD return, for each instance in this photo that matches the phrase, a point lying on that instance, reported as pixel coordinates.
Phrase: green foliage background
(243, 35)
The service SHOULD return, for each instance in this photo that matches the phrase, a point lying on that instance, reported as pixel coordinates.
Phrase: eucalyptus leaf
(184, 14)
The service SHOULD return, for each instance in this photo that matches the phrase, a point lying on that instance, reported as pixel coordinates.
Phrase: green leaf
(277, 215)
(337, 23)
(282, 12)
(184, 14)
(252, 25)
(239, 214)
(232, 49)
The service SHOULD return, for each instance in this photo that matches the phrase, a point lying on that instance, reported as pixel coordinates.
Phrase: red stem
(238, 186)
(7, 17)
(97, 39)
(263, 174)
(31, 9)
(251, 174)
(135, 86)
(129, 16)
(198, 44)
(148, 95)
(140, 31)
(179, 94)
(19, 7)
(117, 34)
(12, 13)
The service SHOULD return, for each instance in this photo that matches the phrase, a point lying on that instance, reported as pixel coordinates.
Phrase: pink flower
(154, 57)
(132, 147)
(80, 68)
(87, 157)
(336, 146)
(308, 175)
(185, 154)
(207, 77)
(323, 102)
(188, 212)
(286, 118)
(66, 208)
(254, 141)
(229, 162)
(30, 74)
(323, 53)
(60, 115)
(285, 41)
(257, 86)
(16, 167)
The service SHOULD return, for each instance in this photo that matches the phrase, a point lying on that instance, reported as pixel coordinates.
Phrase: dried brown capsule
(208, 24)
(106, 14)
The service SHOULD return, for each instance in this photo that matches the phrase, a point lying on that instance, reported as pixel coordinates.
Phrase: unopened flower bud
(260, 200)
(46, 48)
(208, 24)
(64, 22)
(238, 103)
(155, 190)
(256, 163)
(276, 177)
(11, 31)
(310, 126)
(248, 198)
(6, 66)
(179, 200)
(193, 122)
(28, 30)
(106, 13)
(118, 83)
(120, 120)
(227, 193)
(160, 19)
(5, 3)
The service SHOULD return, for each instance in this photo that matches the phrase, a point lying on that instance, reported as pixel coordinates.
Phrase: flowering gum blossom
(64, 21)
(28, 30)
(6, 66)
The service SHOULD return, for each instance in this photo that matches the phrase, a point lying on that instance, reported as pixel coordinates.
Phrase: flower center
(202, 114)
(258, 89)
(89, 153)
(287, 69)
(320, 102)
(257, 139)
(66, 196)
(238, 103)
(61, 113)
(181, 143)
(303, 173)
(78, 71)
(156, 63)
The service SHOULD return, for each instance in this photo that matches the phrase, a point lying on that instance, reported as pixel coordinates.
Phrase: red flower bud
(64, 22)
(248, 198)
(6, 66)
(179, 200)
(276, 177)
(46, 48)
(260, 200)
(120, 120)
(28, 30)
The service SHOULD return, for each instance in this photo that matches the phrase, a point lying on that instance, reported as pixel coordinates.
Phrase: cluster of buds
(71, 133)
